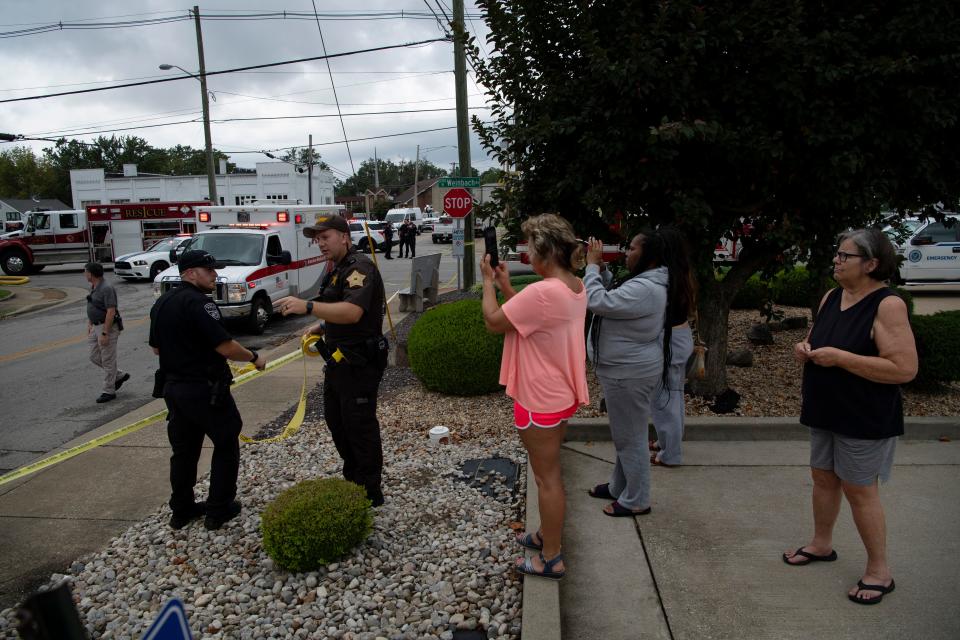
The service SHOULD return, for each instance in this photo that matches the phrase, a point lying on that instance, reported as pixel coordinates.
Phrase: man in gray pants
(103, 330)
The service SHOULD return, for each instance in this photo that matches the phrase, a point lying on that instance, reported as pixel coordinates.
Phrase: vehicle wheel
(362, 245)
(434, 240)
(157, 267)
(14, 263)
(259, 315)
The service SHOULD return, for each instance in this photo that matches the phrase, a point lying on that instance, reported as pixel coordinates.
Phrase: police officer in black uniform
(350, 310)
(187, 332)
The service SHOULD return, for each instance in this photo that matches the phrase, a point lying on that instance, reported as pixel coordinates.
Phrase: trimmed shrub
(791, 287)
(938, 346)
(752, 295)
(451, 351)
(518, 283)
(315, 522)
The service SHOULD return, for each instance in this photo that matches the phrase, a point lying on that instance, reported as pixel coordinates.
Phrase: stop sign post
(458, 203)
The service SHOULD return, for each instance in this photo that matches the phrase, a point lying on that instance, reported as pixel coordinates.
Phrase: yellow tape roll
(308, 345)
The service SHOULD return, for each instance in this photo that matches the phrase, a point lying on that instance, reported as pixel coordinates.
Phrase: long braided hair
(663, 247)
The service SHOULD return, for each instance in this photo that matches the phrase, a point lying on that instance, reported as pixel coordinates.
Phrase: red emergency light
(283, 216)
(203, 216)
(298, 219)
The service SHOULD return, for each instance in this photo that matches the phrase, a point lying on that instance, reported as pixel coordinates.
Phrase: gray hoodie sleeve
(631, 300)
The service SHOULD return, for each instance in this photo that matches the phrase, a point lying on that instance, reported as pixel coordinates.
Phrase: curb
(745, 428)
(540, 619)
(68, 298)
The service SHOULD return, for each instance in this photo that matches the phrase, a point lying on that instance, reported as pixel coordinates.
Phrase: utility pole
(205, 101)
(310, 172)
(416, 176)
(463, 131)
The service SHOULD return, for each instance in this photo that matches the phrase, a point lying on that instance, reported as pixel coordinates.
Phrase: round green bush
(938, 346)
(791, 287)
(752, 294)
(316, 522)
(451, 351)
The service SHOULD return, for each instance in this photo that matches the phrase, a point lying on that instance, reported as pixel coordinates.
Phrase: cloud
(382, 81)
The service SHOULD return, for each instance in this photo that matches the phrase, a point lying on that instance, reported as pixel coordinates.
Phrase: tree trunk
(713, 311)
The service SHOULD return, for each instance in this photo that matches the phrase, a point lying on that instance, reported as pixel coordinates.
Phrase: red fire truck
(100, 233)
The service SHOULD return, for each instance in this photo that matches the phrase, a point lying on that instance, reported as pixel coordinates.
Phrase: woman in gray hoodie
(627, 344)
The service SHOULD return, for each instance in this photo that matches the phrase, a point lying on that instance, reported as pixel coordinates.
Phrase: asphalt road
(49, 386)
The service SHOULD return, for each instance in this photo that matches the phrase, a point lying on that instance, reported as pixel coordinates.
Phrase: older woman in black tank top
(857, 354)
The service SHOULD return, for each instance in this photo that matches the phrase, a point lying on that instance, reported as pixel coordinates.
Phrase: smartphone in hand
(490, 242)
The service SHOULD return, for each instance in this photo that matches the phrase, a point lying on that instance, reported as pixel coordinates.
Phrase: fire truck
(99, 233)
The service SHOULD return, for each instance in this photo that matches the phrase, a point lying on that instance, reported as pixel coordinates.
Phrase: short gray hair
(874, 244)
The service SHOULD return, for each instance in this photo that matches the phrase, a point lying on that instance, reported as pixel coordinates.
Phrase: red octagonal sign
(458, 202)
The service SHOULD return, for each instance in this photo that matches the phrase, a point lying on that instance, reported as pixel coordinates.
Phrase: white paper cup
(439, 435)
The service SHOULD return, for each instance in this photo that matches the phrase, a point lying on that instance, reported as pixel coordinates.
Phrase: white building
(272, 181)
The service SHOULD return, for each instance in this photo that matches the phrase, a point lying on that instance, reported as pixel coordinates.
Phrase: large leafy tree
(800, 118)
(394, 176)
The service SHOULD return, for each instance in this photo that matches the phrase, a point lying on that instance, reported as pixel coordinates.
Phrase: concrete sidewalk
(706, 563)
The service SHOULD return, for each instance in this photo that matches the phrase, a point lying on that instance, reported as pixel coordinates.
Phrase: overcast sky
(399, 79)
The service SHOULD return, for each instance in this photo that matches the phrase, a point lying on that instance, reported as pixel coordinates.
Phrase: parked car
(442, 230)
(358, 235)
(429, 223)
(931, 249)
(145, 265)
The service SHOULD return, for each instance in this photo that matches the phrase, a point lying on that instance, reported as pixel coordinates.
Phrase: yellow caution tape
(136, 426)
(11, 280)
(307, 348)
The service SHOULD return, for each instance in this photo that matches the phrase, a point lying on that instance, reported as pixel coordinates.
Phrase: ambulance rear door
(312, 265)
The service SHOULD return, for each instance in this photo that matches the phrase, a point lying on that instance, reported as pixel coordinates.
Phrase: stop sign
(457, 203)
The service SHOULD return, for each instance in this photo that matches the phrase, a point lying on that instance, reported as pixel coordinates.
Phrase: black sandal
(620, 511)
(602, 491)
(526, 568)
(810, 557)
(871, 587)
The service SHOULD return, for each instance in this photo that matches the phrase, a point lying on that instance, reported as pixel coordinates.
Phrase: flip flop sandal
(653, 445)
(526, 568)
(654, 460)
(871, 587)
(620, 511)
(528, 540)
(602, 491)
(810, 557)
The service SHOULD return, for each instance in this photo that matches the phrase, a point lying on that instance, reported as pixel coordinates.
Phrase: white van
(397, 216)
(930, 249)
(264, 254)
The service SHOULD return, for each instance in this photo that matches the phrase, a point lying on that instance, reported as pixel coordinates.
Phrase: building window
(149, 199)
(120, 201)
(68, 221)
(328, 200)
(277, 196)
(222, 202)
(88, 203)
(244, 199)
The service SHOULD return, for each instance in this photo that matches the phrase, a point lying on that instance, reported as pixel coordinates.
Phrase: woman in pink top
(543, 367)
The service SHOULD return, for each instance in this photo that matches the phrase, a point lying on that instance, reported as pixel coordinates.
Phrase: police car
(147, 264)
(930, 249)
(358, 235)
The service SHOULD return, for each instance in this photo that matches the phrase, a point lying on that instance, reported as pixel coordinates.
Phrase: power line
(260, 118)
(333, 86)
(324, 144)
(215, 73)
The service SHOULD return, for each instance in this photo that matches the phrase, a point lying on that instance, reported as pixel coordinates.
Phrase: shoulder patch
(356, 279)
(212, 310)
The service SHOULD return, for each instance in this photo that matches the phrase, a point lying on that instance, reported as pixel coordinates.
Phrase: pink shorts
(523, 418)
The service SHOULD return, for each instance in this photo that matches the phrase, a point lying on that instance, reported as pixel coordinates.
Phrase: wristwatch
(309, 308)
(255, 356)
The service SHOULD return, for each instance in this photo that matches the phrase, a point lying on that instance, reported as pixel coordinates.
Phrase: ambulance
(264, 254)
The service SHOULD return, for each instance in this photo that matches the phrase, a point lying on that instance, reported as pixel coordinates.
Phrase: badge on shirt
(356, 279)
(212, 310)
(333, 279)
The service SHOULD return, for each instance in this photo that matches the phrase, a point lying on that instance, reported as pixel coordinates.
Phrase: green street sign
(466, 183)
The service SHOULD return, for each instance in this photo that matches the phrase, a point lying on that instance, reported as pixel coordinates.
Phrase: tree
(23, 175)
(300, 156)
(394, 177)
(799, 118)
(491, 175)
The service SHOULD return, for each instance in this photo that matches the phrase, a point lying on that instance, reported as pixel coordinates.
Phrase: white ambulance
(930, 249)
(264, 254)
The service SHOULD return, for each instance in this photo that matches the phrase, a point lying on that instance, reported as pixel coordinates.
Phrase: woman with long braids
(669, 404)
(629, 343)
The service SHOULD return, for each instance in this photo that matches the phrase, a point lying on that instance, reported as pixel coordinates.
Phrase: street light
(211, 171)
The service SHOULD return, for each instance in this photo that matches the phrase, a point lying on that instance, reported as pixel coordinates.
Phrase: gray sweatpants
(105, 357)
(628, 408)
(668, 406)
